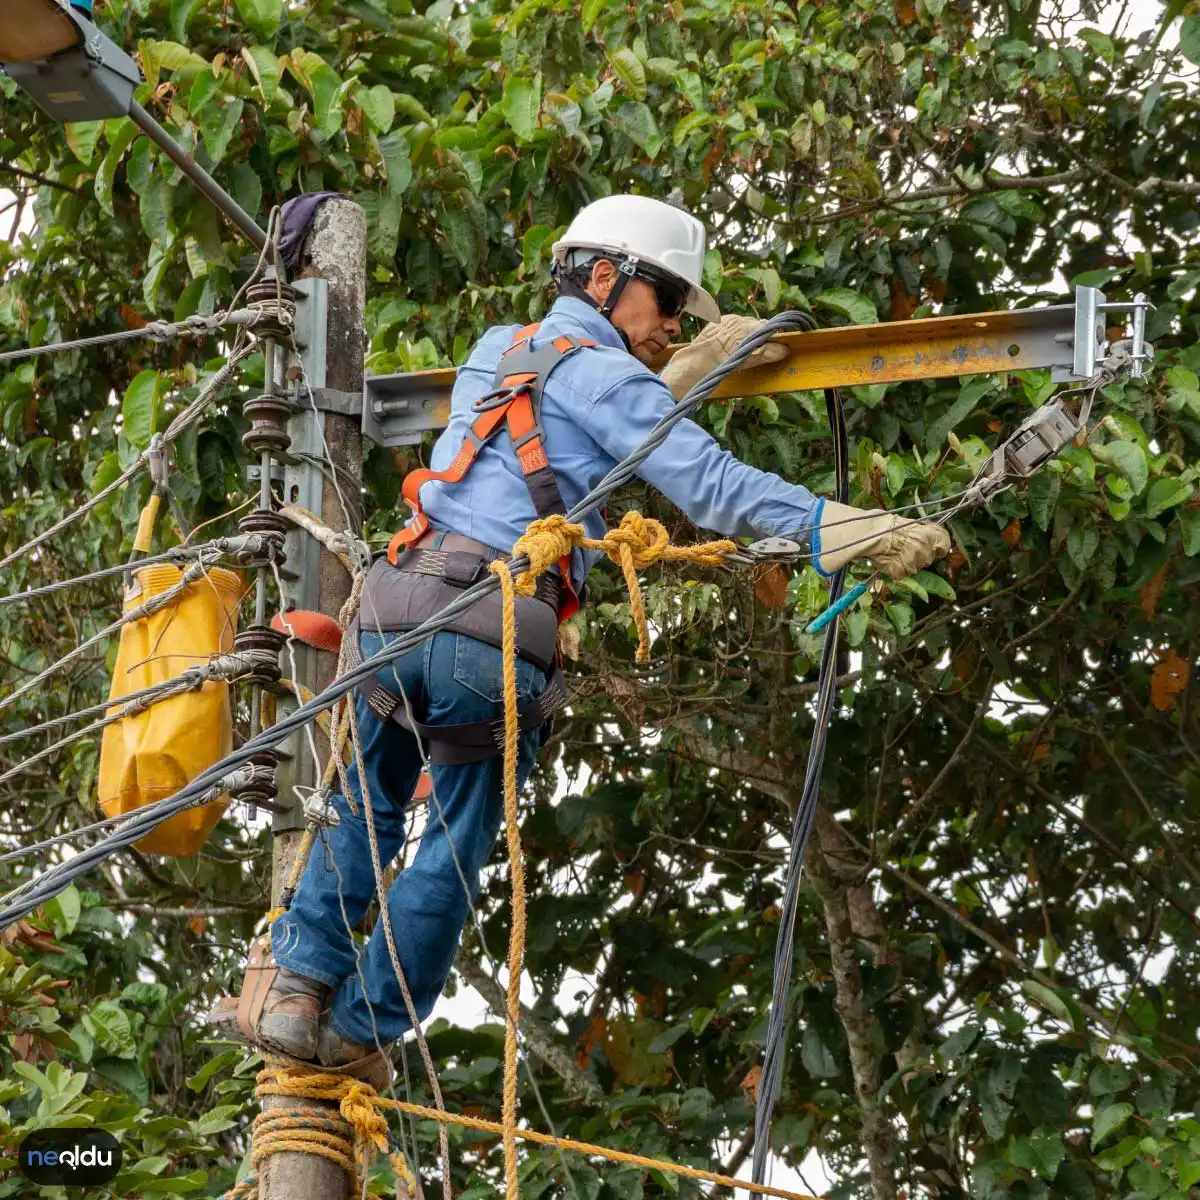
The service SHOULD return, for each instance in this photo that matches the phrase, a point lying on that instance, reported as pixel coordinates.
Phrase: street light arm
(198, 175)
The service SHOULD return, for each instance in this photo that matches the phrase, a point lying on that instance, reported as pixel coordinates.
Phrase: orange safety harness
(515, 403)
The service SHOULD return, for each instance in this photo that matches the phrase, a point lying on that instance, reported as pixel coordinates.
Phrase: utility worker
(626, 271)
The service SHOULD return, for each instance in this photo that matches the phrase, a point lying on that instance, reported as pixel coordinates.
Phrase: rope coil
(361, 1108)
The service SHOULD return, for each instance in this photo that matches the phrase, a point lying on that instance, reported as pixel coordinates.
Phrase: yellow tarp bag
(152, 754)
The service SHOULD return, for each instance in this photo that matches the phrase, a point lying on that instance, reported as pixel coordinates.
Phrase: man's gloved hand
(897, 545)
(712, 346)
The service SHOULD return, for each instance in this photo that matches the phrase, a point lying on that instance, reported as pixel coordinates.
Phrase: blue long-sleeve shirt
(598, 406)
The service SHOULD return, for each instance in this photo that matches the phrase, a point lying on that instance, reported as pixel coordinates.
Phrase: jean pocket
(480, 669)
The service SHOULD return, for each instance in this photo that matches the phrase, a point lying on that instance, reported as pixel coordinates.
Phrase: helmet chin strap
(569, 287)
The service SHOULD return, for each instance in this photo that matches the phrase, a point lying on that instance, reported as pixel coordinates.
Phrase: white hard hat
(648, 231)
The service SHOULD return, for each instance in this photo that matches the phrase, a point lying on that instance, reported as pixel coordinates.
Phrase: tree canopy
(994, 987)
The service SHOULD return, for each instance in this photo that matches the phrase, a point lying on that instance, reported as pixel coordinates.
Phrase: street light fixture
(76, 73)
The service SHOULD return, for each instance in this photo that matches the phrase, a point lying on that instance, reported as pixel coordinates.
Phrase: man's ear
(603, 278)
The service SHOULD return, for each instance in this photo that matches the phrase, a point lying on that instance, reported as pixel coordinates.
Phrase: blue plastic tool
(840, 605)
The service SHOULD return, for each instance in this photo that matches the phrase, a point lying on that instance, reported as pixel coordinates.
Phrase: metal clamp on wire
(1038, 438)
(318, 807)
(252, 549)
(156, 462)
(765, 550)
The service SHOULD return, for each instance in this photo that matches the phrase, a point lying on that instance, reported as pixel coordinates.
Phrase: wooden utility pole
(335, 253)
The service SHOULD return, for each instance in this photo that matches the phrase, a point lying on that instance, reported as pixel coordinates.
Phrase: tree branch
(862, 1030)
(34, 177)
(538, 1034)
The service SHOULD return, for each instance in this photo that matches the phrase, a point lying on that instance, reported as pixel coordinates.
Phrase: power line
(155, 331)
(54, 880)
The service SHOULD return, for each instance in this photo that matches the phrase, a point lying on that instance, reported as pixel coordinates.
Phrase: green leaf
(121, 135)
(637, 122)
(1189, 524)
(109, 1025)
(1189, 38)
(901, 617)
(536, 237)
(772, 285)
(1097, 278)
(815, 1056)
(324, 85)
(83, 137)
(182, 12)
(1127, 458)
(691, 87)
(218, 123)
(461, 232)
(217, 1063)
(714, 271)
(63, 910)
(968, 398)
(171, 56)
(1043, 497)
(224, 1116)
(397, 161)
(126, 1075)
(849, 303)
(156, 202)
(263, 16)
(591, 10)
(1082, 543)
(1047, 999)
(996, 1095)
(139, 409)
(630, 71)
(1107, 1119)
(1188, 1171)
(1108, 1077)
(935, 585)
(246, 187)
(522, 101)
(1041, 1151)
(264, 66)
(1166, 493)
(668, 1038)
(378, 105)
(411, 107)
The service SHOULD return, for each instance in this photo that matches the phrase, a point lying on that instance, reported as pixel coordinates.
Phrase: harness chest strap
(515, 403)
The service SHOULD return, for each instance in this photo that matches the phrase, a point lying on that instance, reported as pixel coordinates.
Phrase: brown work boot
(333, 1050)
(292, 1013)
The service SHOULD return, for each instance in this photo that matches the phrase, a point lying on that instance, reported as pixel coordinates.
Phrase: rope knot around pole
(351, 1139)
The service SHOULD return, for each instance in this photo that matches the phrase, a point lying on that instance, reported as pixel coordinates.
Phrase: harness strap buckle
(497, 399)
(536, 432)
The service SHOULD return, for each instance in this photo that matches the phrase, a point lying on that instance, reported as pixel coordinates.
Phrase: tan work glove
(897, 545)
(712, 346)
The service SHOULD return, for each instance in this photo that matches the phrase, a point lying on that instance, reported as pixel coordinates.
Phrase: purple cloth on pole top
(298, 215)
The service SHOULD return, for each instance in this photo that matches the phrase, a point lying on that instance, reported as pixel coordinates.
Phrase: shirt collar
(599, 329)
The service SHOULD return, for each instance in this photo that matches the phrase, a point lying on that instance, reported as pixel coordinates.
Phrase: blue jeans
(449, 678)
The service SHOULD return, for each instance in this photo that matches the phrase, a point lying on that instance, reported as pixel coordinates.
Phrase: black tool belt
(398, 598)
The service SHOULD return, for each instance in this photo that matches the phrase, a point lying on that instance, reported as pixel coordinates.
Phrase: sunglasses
(669, 295)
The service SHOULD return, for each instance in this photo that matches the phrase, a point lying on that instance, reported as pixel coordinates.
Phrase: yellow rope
(516, 939)
(637, 542)
(349, 1139)
(360, 1106)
